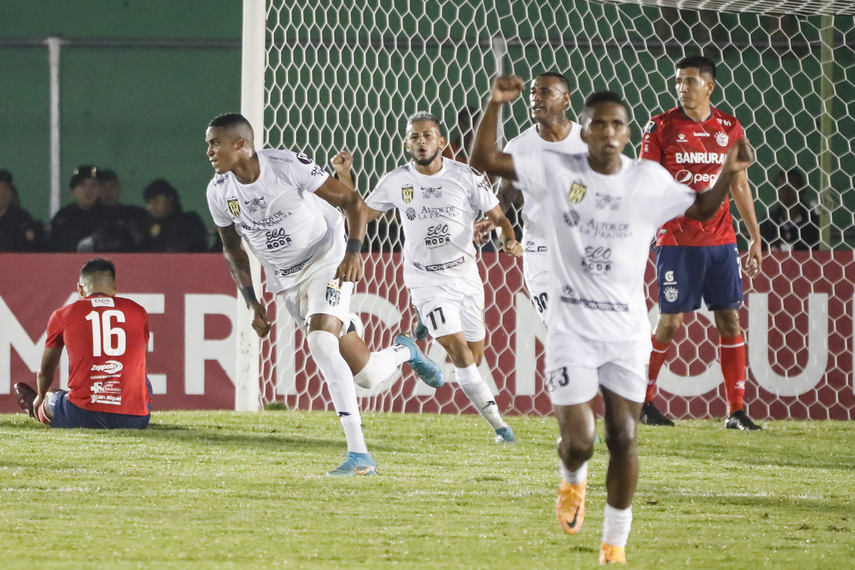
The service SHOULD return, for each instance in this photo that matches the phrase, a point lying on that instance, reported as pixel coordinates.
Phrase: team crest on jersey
(253, 205)
(303, 158)
(577, 192)
(671, 294)
(722, 139)
(333, 294)
(234, 206)
(407, 193)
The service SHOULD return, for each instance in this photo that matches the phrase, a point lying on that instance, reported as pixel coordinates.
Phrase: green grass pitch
(228, 490)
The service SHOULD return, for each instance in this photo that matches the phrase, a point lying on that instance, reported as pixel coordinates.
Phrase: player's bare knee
(727, 323)
(668, 326)
(575, 450)
(621, 438)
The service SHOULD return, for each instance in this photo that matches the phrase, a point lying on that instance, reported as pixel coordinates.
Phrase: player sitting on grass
(600, 212)
(284, 206)
(106, 337)
(438, 200)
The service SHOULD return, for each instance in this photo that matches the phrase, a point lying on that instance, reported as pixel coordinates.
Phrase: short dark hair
(229, 120)
(82, 173)
(796, 178)
(420, 116)
(161, 187)
(108, 176)
(98, 265)
(559, 76)
(603, 97)
(702, 63)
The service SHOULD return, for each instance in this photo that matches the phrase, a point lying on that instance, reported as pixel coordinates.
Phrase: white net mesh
(346, 76)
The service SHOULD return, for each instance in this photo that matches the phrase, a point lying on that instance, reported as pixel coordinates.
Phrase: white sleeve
(379, 199)
(530, 175)
(674, 198)
(305, 173)
(218, 210)
(481, 195)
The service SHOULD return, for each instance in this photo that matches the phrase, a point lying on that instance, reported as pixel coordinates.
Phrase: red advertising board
(798, 318)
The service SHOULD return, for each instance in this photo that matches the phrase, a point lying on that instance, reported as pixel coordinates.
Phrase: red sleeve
(650, 148)
(56, 325)
(738, 133)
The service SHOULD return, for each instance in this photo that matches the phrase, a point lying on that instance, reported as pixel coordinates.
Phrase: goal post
(345, 76)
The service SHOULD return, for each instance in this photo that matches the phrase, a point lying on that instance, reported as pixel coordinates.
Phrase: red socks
(657, 359)
(732, 355)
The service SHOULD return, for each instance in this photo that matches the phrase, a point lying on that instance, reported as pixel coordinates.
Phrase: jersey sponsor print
(438, 214)
(278, 215)
(106, 339)
(693, 152)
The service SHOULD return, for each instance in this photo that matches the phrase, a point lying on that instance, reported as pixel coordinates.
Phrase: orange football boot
(570, 506)
(612, 554)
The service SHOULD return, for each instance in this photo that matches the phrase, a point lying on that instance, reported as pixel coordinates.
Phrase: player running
(438, 200)
(107, 338)
(284, 206)
(699, 260)
(600, 212)
(549, 99)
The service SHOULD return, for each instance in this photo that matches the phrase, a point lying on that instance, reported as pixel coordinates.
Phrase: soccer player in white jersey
(284, 206)
(438, 200)
(600, 211)
(549, 99)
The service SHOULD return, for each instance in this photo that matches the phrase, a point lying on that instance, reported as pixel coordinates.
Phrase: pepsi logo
(683, 177)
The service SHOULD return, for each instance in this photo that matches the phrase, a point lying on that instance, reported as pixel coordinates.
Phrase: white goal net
(346, 76)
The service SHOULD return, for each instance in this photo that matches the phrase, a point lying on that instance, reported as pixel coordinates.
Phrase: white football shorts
(578, 366)
(320, 292)
(453, 308)
(536, 274)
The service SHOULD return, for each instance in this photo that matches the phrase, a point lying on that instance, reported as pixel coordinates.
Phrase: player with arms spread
(438, 200)
(549, 99)
(107, 338)
(696, 260)
(284, 206)
(600, 211)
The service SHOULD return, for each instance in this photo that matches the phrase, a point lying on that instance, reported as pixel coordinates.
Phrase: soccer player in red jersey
(106, 337)
(699, 260)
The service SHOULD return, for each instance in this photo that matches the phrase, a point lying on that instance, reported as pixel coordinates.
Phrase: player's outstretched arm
(707, 203)
(342, 163)
(740, 189)
(356, 212)
(486, 155)
(238, 263)
(46, 373)
(509, 241)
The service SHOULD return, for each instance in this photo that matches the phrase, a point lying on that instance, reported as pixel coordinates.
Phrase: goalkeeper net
(341, 76)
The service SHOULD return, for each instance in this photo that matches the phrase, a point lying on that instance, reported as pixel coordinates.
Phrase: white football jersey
(278, 215)
(598, 230)
(529, 142)
(438, 215)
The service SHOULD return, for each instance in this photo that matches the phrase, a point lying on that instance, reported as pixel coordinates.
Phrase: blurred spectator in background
(791, 226)
(173, 230)
(130, 222)
(80, 219)
(18, 230)
(461, 145)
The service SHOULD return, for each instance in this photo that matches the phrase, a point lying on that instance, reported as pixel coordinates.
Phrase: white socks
(616, 525)
(325, 351)
(381, 365)
(575, 477)
(479, 393)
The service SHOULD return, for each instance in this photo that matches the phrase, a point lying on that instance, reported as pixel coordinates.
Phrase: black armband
(249, 295)
(353, 245)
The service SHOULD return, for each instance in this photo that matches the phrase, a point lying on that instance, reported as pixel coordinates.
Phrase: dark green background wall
(140, 111)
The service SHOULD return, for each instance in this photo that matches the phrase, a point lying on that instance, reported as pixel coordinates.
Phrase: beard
(426, 161)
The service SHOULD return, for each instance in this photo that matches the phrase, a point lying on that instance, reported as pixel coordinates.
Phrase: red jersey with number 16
(106, 338)
(693, 152)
